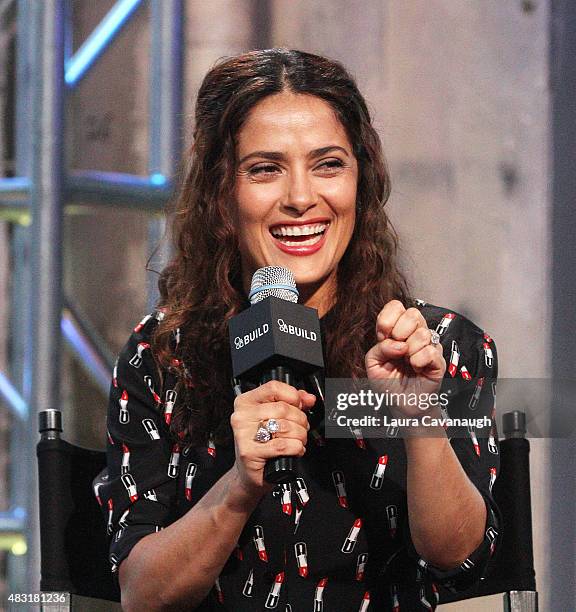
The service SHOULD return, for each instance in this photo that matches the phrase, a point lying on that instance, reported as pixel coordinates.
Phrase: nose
(300, 194)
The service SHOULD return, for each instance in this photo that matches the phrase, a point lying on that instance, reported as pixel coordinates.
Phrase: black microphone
(275, 339)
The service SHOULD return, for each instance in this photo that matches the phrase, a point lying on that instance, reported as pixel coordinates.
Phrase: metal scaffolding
(42, 193)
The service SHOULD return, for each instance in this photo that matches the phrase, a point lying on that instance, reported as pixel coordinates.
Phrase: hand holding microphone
(276, 401)
(274, 343)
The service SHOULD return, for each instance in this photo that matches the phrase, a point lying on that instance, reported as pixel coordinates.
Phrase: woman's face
(295, 192)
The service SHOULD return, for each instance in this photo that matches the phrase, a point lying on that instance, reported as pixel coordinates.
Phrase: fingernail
(397, 345)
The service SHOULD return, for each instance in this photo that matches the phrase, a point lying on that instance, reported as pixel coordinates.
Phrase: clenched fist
(404, 354)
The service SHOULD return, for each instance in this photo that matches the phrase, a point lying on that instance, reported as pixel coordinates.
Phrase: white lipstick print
(169, 405)
(300, 551)
(259, 542)
(378, 475)
(445, 323)
(136, 360)
(190, 474)
(124, 415)
(319, 595)
(352, 538)
(274, 594)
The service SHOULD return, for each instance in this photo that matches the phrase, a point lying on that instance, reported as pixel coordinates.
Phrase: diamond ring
(266, 432)
(262, 434)
(273, 426)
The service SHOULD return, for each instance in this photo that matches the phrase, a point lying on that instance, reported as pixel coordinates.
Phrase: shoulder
(448, 322)
(142, 334)
(145, 328)
(465, 343)
(135, 361)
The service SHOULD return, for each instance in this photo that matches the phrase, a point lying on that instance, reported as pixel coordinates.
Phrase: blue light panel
(11, 396)
(77, 66)
(158, 179)
(85, 352)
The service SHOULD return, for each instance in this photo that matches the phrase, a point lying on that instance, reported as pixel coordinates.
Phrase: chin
(312, 281)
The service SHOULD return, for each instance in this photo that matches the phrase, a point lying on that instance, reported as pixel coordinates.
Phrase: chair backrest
(512, 569)
(74, 552)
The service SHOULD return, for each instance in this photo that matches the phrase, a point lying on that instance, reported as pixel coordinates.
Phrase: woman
(286, 169)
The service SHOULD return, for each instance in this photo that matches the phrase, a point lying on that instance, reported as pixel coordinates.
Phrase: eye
(330, 164)
(263, 170)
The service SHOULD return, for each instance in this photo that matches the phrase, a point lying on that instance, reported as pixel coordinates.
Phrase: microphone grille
(273, 281)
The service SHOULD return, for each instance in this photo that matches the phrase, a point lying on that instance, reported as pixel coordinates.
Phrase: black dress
(336, 540)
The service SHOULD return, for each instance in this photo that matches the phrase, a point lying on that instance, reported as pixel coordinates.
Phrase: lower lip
(301, 250)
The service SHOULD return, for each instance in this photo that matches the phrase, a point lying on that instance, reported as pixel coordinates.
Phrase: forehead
(285, 120)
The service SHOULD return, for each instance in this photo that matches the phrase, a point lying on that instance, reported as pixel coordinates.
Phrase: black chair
(73, 541)
(74, 552)
(512, 571)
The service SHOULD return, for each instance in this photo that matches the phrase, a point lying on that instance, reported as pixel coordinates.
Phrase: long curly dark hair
(201, 288)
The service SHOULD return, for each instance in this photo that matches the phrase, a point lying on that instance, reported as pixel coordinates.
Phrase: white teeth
(309, 242)
(299, 230)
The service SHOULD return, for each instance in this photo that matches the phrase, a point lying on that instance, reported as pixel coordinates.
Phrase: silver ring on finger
(273, 427)
(262, 434)
(434, 337)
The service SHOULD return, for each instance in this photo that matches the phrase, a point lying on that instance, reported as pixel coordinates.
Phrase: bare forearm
(446, 512)
(178, 566)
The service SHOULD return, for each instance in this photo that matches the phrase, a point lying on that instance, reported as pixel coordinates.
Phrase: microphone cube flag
(275, 332)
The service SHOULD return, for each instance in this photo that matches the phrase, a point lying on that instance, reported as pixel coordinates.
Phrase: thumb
(307, 400)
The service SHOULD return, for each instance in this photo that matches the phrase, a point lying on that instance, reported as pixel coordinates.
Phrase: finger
(407, 324)
(387, 318)
(308, 399)
(386, 351)
(278, 411)
(431, 359)
(290, 429)
(274, 391)
(420, 338)
(280, 447)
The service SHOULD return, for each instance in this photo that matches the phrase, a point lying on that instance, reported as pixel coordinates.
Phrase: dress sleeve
(137, 490)
(470, 379)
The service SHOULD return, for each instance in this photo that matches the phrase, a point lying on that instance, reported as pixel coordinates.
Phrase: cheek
(346, 211)
(341, 193)
(346, 202)
(251, 216)
(246, 212)
(250, 220)
(253, 203)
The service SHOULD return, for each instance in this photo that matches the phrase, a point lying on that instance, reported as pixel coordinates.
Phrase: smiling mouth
(299, 235)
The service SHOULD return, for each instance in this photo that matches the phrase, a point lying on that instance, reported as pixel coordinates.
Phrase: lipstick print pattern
(352, 537)
(445, 323)
(306, 535)
(339, 483)
(259, 543)
(378, 475)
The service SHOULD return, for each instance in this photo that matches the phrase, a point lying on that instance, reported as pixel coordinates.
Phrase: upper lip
(301, 222)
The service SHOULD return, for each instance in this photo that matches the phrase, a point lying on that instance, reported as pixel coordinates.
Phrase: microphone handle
(279, 470)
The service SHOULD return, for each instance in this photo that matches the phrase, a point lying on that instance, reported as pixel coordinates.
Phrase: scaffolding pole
(46, 199)
(41, 190)
(22, 464)
(165, 119)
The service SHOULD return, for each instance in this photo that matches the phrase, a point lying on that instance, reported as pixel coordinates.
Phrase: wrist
(242, 497)
(428, 425)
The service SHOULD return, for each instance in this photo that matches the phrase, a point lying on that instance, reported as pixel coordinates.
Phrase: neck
(320, 297)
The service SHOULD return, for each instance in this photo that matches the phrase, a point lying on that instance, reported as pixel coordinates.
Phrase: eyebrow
(278, 156)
